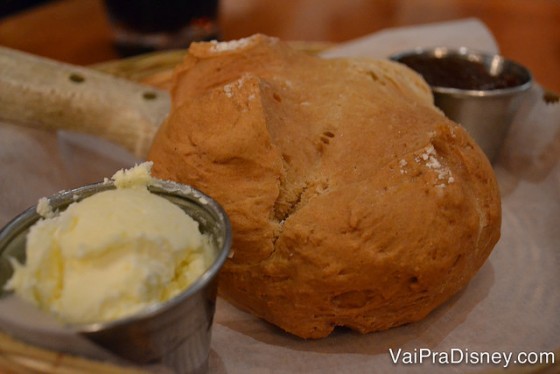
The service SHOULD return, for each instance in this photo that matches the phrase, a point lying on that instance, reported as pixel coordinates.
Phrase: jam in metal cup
(480, 91)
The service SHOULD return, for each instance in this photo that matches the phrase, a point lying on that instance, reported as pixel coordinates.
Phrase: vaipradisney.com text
(460, 356)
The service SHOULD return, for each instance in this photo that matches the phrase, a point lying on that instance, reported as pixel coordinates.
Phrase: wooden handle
(42, 93)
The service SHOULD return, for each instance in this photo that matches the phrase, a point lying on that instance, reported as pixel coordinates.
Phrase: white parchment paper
(512, 305)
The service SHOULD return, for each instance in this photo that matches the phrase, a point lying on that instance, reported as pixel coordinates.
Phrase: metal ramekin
(175, 333)
(485, 114)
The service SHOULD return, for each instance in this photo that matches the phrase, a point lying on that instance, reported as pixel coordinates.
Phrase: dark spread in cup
(459, 72)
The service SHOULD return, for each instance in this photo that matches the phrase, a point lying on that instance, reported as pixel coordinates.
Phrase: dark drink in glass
(142, 26)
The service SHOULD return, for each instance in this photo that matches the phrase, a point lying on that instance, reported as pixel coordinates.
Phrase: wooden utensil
(42, 93)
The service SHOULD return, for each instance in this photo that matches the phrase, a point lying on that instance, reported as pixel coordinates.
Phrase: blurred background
(8, 7)
(80, 31)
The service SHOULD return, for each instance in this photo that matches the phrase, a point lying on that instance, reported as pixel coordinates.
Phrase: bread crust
(353, 200)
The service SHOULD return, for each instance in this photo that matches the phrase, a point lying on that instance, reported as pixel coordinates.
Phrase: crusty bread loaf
(354, 201)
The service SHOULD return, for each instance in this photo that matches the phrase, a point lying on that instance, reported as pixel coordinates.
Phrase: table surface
(78, 32)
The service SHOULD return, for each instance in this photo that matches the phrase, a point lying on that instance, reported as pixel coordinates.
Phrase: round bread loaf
(354, 201)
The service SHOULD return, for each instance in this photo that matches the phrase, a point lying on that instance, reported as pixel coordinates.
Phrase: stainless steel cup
(485, 112)
(174, 334)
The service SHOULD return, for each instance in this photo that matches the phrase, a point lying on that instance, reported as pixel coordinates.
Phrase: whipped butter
(111, 254)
